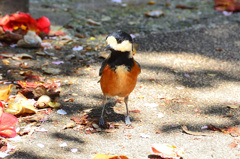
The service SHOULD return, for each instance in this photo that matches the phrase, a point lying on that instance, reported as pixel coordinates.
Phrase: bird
(119, 71)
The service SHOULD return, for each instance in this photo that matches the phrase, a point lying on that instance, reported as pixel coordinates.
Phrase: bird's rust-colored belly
(120, 82)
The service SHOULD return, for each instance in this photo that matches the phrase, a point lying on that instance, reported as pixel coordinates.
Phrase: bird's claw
(101, 122)
(127, 120)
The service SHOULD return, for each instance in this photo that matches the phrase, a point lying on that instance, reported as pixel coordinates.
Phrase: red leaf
(227, 5)
(185, 7)
(59, 33)
(214, 128)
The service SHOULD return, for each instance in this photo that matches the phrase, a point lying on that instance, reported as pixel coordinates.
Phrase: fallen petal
(57, 62)
(77, 48)
(40, 145)
(74, 150)
(143, 135)
(62, 112)
(63, 144)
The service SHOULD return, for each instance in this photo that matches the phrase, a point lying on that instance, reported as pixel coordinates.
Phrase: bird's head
(120, 41)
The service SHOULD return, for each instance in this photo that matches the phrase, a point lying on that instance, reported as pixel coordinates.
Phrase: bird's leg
(127, 119)
(101, 122)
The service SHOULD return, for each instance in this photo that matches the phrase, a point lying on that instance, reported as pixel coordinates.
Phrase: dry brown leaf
(69, 100)
(151, 2)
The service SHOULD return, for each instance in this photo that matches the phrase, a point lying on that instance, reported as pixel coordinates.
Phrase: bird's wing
(104, 64)
(138, 65)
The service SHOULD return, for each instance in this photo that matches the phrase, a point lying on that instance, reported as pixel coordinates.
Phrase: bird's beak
(108, 47)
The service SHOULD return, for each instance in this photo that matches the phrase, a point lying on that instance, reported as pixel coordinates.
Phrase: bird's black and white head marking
(120, 41)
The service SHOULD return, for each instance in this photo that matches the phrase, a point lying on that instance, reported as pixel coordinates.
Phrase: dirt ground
(190, 75)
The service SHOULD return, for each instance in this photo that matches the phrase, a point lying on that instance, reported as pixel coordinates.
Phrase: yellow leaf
(20, 105)
(233, 106)
(92, 38)
(5, 92)
(6, 62)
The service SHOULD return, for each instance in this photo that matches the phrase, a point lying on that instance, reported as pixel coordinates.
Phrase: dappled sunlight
(209, 84)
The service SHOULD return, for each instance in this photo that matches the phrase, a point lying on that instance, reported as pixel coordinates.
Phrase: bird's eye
(119, 41)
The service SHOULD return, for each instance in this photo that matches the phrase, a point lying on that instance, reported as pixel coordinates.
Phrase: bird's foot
(127, 120)
(101, 122)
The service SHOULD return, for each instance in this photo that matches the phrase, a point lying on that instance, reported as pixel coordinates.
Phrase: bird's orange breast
(120, 82)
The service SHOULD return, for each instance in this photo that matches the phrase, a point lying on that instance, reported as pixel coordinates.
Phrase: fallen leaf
(233, 131)
(7, 54)
(185, 129)
(6, 62)
(70, 125)
(24, 56)
(54, 104)
(59, 33)
(26, 130)
(35, 89)
(3, 145)
(92, 22)
(69, 100)
(214, 128)
(105, 18)
(166, 151)
(151, 2)
(154, 13)
(43, 101)
(5, 92)
(219, 49)
(57, 47)
(20, 105)
(233, 106)
(227, 5)
(158, 132)
(135, 111)
(80, 120)
(211, 74)
(185, 7)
